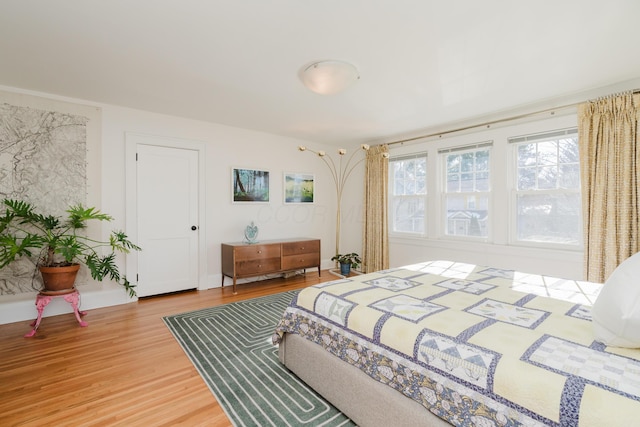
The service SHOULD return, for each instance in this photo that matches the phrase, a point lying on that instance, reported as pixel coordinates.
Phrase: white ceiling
(423, 63)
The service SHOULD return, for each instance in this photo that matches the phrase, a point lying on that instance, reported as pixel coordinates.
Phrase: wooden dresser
(242, 259)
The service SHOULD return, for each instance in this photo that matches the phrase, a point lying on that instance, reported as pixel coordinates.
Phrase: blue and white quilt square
(407, 307)
(467, 286)
(509, 313)
(392, 283)
(333, 308)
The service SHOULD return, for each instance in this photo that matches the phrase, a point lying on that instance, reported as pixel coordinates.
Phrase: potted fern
(347, 262)
(60, 245)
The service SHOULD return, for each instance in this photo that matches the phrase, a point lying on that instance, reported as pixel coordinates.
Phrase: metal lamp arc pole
(340, 176)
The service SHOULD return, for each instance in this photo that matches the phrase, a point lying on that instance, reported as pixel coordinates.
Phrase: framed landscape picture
(249, 185)
(299, 187)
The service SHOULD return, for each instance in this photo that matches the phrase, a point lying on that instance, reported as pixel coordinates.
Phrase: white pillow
(616, 312)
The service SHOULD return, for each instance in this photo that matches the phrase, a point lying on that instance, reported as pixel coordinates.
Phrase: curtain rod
(493, 122)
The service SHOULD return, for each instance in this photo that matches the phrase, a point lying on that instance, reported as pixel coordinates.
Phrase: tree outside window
(547, 189)
(467, 191)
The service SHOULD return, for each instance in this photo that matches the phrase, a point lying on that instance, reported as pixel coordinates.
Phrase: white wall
(229, 147)
(226, 147)
(498, 252)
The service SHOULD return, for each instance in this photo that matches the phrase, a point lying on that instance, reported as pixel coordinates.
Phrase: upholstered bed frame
(366, 401)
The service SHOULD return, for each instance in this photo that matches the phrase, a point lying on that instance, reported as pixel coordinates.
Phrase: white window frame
(392, 197)
(442, 161)
(514, 192)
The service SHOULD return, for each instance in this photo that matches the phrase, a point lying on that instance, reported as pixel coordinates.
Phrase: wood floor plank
(125, 368)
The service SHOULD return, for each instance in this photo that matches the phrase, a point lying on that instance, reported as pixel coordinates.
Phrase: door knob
(194, 228)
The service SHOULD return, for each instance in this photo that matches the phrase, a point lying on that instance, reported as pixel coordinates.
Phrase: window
(467, 190)
(408, 193)
(547, 188)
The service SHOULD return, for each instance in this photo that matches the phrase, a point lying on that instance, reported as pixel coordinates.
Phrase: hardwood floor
(125, 368)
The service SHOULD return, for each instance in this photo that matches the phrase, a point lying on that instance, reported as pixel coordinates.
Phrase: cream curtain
(375, 240)
(609, 162)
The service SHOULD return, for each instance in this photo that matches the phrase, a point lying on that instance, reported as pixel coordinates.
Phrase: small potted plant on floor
(58, 246)
(347, 262)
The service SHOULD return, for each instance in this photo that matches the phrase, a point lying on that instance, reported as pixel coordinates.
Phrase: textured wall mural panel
(43, 159)
(42, 156)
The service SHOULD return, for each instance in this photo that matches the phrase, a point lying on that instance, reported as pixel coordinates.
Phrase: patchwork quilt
(477, 346)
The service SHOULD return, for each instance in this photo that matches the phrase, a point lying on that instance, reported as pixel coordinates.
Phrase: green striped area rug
(230, 346)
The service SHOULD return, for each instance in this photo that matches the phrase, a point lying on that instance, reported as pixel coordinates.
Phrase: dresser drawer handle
(259, 252)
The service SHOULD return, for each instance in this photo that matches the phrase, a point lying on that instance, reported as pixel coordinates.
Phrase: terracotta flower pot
(59, 279)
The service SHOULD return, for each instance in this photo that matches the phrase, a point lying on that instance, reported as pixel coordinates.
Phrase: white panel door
(167, 223)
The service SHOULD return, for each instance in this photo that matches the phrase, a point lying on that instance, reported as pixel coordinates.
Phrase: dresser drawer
(241, 260)
(302, 247)
(293, 262)
(254, 252)
(257, 266)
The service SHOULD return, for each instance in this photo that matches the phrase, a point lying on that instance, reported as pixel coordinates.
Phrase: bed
(444, 343)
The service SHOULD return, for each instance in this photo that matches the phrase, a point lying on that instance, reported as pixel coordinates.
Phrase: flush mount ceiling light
(329, 77)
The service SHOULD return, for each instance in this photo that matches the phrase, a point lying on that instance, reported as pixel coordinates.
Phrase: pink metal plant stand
(44, 298)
